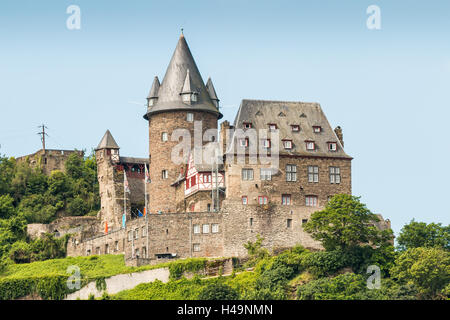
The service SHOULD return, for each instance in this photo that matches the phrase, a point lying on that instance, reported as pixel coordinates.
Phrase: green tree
(74, 166)
(6, 206)
(7, 168)
(345, 223)
(426, 268)
(218, 291)
(419, 234)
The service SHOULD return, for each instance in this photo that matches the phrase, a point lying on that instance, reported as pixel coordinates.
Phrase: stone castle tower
(181, 100)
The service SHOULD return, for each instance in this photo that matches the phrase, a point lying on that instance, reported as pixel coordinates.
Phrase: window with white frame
(196, 247)
(247, 174)
(313, 174)
(164, 174)
(265, 174)
(291, 172)
(295, 127)
(287, 144)
(215, 228)
(244, 200)
(190, 117)
(265, 143)
(286, 199)
(196, 228)
(164, 136)
(243, 142)
(310, 145)
(272, 127)
(317, 129)
(332, 146)
(335, 175)
(205, 228)
(311, 201)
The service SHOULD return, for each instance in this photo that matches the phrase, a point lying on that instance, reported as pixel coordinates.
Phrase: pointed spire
(212, 92)
(155, 89)
(187, 84)
(107, 142)
(177, 80)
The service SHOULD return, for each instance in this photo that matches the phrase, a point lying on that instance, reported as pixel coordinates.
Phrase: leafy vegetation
(29, 196)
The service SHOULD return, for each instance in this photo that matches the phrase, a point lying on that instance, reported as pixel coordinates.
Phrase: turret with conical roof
(107, 142)
(170, 94)
(180, 101)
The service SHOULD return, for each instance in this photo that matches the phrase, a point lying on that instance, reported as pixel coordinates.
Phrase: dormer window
(310, 145)
(247, 125)
(332, 146)
(287, 144)
(295, 127)
(151, 102)
(317, 129)
(243, 142)
(272, 127)
(265, 143)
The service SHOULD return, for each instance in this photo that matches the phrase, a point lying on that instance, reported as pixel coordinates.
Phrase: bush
(218, 291)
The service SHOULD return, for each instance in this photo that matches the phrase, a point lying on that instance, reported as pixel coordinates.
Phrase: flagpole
(147, 176)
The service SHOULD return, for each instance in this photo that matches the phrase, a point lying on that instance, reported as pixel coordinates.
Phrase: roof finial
(182, 34)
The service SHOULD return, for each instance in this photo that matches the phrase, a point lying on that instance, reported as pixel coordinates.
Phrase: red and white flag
(125, 182)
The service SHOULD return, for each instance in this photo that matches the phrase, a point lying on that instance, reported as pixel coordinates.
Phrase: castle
(208, 192)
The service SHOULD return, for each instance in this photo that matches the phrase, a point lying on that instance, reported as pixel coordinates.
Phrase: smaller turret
(212, 93)
(153, 94)
(108, 147)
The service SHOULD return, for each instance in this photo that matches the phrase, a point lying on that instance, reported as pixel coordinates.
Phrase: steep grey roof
(154, 89)
(169, 98)
(211, 90)
(284, 114)
(134, 160)
(107, 142)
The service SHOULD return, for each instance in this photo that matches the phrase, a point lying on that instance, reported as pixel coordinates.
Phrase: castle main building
(211, 191)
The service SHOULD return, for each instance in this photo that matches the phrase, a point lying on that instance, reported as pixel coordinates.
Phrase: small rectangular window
(287, 144)
(265, 143)
(265, 174)
(244, 200)
(332, 146)
(295, 128)
(196, 228)
(313, 174)
(247, 174)
(130, 236)
(243, 142)
(289, 223)
(116, 246)
(214, 228)
(247, 125)
(272, 127)
(310, 145)
(165, 174)
(196, 247)
(144, 231)
(317, 129)
(164, 136)
(335, 175)
(136, 233)
(304, 221)
(286, 199)
(311, 201)
(251, 222)
(262, 200)
(190, 117)
(291, 172)
(205, 228)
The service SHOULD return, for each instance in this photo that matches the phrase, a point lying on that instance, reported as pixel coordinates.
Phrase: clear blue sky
(388, 89)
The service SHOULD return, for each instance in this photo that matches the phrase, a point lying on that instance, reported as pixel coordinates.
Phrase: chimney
(339, 134)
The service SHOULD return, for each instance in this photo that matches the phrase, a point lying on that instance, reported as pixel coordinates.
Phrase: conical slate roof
(169, 98)
(107, 142)
(155, 89)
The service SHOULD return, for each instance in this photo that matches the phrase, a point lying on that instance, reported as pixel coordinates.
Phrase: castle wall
(49, 160)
